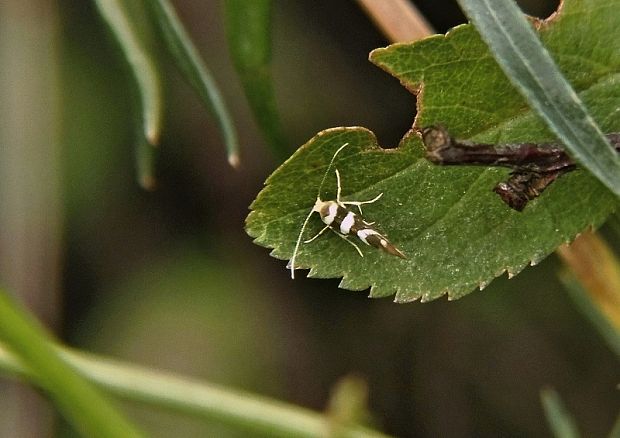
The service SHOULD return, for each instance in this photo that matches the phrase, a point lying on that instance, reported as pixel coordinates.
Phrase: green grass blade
(560, 421)
(210, 402)
(82, 405)
(196, 72)
(532, 71)
(140, 62)
(248, 26)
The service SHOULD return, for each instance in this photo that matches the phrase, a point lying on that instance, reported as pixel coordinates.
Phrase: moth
(337, 217)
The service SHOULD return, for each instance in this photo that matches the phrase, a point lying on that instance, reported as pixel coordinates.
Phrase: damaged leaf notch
(534, 166)
(456, 233)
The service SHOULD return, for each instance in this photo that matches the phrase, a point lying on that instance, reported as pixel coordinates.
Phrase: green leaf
(532, 71)
(196, 72)
(560, 420)
(119, 20)
(456, 233)
(248, 28)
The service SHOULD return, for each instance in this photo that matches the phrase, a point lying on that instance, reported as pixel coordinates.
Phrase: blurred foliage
(560, 420)
(185, 311)
(184, 55)
(248, 26)
(592, 278)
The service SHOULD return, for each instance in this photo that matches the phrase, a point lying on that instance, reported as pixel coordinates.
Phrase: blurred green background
(169, 279)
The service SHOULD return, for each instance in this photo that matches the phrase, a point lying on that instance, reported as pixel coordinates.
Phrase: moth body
(340, 219)
(337, 217)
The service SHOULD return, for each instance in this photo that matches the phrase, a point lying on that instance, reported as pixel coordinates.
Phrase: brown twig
(535, 166)
(399, 20)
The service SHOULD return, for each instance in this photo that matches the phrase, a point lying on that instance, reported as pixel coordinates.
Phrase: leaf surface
(456, 233)
(521, 55)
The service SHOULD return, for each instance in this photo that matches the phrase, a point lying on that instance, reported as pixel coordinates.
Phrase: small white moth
(337, 217)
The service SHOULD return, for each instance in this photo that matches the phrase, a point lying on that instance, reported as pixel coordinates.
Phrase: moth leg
(317, 234)
(359, 204)
(346, 239)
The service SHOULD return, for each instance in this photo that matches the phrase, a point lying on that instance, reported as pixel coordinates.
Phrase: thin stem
(535, 166)
(35, 355)
(535, 157)
(188, 396)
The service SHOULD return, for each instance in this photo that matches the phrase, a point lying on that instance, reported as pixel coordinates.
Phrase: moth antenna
(318, 197)
(339, 187)
(298, 243)
(330, 166)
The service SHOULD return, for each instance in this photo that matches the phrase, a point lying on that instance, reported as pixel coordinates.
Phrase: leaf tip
(152, 134)
(234, 160)
(148, 183)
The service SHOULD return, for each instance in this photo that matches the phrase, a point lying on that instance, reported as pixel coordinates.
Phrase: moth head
(321, 207)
